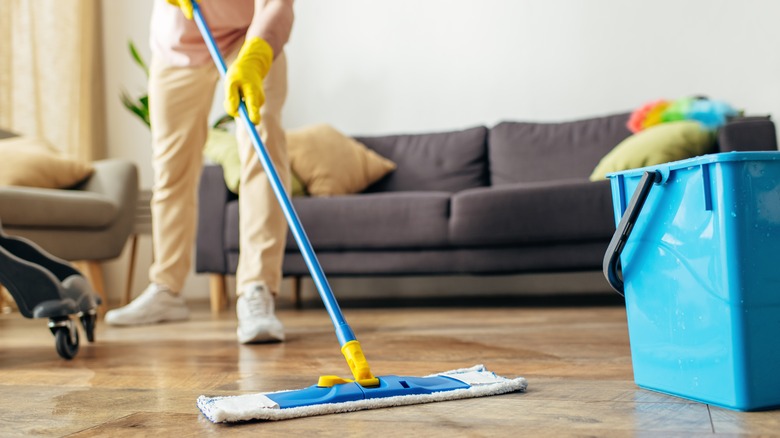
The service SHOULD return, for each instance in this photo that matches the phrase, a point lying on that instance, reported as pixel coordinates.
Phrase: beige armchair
(86, 224)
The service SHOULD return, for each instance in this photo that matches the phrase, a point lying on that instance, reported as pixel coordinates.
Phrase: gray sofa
(511, 199)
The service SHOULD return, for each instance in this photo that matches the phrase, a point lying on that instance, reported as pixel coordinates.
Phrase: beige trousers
(180, 99)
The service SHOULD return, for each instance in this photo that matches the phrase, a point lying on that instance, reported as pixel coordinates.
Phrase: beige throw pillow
(31, 162)
(330, 163)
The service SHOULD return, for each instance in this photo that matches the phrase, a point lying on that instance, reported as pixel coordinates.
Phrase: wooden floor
(144, 381)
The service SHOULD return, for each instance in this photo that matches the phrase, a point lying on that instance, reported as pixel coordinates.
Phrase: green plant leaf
(222, 121)
(140, 109)
(137, 57)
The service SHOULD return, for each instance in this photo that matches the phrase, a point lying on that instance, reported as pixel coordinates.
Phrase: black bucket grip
(624, 228)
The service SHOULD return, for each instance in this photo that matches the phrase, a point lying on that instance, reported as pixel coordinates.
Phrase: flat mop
(333, 394)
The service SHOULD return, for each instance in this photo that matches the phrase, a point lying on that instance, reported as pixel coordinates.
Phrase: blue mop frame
(343, 331)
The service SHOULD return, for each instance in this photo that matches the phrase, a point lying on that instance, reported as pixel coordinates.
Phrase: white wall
(375, 67)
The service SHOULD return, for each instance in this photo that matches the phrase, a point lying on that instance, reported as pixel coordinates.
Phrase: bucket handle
(624, 228)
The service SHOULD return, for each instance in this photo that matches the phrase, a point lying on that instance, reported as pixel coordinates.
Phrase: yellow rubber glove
(185, 5)
(245, 78)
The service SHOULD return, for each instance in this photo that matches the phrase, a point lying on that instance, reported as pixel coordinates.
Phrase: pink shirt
(177, 41)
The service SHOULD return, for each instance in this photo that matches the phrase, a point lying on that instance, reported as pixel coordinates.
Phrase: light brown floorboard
(143, 381)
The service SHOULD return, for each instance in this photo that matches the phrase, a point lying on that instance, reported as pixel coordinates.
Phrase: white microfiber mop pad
(260, 407)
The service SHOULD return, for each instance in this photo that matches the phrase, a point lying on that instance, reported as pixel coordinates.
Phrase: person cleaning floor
(331, 394)
(182, 80)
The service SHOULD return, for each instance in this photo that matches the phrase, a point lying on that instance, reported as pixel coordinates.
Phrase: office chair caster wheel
(89, 321)
(66, 337)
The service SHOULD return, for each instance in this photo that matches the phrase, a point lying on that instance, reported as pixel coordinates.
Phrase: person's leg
(179, 104)
(262, 225)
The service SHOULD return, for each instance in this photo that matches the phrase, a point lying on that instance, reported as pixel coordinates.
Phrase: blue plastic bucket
(701, 277)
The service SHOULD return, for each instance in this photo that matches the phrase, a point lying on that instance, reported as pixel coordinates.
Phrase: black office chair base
(44, 286)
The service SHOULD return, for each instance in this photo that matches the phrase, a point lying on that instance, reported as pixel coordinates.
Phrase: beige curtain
(51, 73)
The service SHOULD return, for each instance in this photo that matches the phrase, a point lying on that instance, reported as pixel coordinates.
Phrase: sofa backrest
(529, 152)
(443, 161)
(749, 133)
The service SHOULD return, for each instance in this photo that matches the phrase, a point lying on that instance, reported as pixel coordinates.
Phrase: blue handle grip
(343, 331)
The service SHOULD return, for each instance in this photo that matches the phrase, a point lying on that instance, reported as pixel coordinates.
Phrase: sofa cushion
(528, 152)
(368, 221)
(656, 145)
(36, 207)
(222, 148)
(329, 163)
(531, 213)
(445, 161)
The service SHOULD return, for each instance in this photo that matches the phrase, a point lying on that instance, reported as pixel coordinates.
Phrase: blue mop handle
(343, 331)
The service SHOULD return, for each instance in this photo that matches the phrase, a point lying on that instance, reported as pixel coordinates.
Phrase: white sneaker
(156, 304)
(256, 319)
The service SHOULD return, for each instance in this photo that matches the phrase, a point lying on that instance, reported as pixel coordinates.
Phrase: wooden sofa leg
(297, 292)
(218, 293)
(93, 271)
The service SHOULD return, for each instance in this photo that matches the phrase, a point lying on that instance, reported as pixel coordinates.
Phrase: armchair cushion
(36, 207)
(31, 162)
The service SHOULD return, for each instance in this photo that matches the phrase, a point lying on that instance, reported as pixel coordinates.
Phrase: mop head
(392, 391)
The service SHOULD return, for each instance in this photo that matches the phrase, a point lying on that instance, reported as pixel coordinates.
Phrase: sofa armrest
(213, 196)
(748, 134)
(37, 207)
